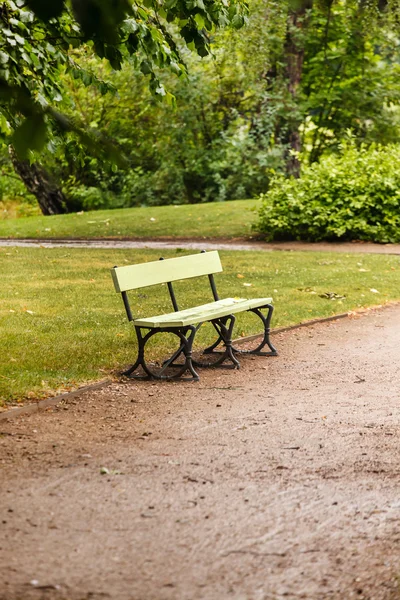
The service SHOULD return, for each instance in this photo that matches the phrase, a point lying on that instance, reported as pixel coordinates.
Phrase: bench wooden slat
(205, 312)
(172, 269)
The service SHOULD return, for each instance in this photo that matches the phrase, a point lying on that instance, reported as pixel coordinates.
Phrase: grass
(213, 220)
(62, 324)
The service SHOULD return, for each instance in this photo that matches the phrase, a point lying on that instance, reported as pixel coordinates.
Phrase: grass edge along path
(62, 325)
(224, 220)
(14, 410)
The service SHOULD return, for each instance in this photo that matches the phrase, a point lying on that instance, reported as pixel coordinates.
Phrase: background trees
(36, 39)
(280, 92)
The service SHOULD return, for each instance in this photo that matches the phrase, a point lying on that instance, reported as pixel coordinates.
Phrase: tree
(36, 38)
(333, 66)
(269, 91)
(350, 76)
(212, 146)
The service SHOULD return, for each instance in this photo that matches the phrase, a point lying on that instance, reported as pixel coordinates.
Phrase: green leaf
(143, 14)
(199, 20)
(145, 67)
(238, 21)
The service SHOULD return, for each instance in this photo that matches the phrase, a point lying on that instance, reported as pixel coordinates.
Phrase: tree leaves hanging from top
(36, 35)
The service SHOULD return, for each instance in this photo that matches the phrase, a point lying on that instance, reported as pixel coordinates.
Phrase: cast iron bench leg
(186, 336)
(266, 320)
(224, 328)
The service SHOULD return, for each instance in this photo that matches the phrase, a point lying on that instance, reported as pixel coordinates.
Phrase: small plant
(355, 196)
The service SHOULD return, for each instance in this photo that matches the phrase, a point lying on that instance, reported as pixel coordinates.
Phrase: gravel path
(197, 244)
(278, 481)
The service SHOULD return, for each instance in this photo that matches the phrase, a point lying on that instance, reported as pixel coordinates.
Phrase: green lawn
(214, 220)
(62, 324)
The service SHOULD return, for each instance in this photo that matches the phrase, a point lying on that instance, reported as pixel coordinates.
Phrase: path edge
(53, 401)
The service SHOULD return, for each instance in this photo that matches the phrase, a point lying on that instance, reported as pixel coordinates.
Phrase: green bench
(185, 323)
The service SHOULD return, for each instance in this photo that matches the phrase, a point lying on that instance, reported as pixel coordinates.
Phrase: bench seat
(202, 313)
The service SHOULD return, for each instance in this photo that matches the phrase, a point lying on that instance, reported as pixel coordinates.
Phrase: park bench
(185, 323)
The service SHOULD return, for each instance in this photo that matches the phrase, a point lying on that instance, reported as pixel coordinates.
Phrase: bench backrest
(134, 277)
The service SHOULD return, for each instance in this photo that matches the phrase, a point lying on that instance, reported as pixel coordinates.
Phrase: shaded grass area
(216, 219)
(62, 324)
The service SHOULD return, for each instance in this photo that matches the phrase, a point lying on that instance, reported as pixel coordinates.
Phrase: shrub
(355, 196)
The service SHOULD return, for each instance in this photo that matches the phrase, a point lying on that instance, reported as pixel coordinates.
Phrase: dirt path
(279, 481)
(207, 244)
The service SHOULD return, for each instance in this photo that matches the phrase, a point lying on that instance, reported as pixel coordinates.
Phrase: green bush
(355, 196)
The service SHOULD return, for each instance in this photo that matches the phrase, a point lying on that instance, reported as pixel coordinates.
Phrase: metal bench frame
(205, 263)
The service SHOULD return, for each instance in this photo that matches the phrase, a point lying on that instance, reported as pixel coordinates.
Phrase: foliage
(229, 121)
(67, 326)
(17, 208)
(214, 143)
(325, 69)
(35, 41)
(352, 197)
(231, 127)
(206, 149)
(351, 76)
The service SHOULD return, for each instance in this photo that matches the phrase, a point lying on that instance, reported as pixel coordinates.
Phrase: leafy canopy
(37, 35)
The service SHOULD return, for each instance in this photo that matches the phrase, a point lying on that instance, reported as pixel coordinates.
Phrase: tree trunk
(294, 59)
(39, 183)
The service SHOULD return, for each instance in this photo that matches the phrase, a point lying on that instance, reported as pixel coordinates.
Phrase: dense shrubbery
(352, 197)
(210, 147)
